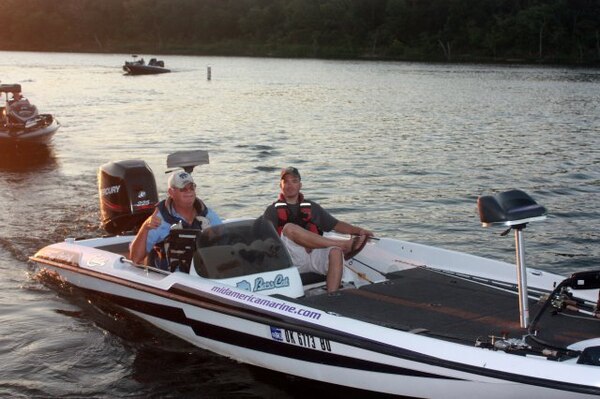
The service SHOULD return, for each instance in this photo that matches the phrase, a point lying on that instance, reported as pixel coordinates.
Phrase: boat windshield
(239, 248)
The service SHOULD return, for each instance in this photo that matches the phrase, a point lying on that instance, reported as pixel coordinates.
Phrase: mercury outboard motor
(128, 195)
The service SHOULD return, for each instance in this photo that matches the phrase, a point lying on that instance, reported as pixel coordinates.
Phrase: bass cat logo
(261, 285)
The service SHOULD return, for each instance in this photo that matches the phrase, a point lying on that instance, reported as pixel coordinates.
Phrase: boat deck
(423, 301)
(447, 307)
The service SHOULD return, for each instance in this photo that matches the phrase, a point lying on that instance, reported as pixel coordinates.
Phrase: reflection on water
(27, 158)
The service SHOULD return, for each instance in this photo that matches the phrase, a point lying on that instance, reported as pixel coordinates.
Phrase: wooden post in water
(208, 72)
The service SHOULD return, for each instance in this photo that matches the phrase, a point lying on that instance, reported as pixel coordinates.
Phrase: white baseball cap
(180, 179)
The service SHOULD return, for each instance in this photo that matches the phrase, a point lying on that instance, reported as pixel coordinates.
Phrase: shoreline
(286, 55)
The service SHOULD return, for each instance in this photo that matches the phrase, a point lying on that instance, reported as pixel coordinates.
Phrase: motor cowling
(128, 195)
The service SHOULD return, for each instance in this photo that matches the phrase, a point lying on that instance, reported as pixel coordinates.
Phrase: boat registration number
(300, 339)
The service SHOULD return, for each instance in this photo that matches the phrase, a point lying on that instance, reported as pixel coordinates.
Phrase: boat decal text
(267, 303)
(300, 339)
(261, 285)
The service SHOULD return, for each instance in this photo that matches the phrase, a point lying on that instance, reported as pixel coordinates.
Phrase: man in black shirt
(301, 224)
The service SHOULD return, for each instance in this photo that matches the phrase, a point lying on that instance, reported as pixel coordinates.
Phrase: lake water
(404, 149)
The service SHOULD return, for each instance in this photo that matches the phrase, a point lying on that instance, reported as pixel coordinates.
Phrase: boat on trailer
(20, 122)
(410, 319)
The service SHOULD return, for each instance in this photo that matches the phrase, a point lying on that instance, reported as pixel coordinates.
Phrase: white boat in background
(410, 319)
(20, 122)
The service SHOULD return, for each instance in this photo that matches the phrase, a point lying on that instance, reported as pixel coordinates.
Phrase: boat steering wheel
(357, 246)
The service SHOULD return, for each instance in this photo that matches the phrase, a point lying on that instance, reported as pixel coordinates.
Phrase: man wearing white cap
(181, 207)
(301, 224)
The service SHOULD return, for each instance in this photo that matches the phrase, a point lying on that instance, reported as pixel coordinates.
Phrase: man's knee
(288, 230)
(291, 231)
(336, 255)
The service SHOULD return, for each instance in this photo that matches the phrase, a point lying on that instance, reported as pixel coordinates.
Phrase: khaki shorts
(316, 260)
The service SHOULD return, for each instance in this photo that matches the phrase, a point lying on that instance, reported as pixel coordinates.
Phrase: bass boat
(20, 122)
(139, 67)
(409, 319)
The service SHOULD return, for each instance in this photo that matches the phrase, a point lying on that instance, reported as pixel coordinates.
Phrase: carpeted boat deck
(430, 303)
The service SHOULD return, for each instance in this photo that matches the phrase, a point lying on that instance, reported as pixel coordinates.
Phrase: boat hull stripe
(249, 341)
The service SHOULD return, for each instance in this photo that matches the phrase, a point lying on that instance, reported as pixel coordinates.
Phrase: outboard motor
(128, 195)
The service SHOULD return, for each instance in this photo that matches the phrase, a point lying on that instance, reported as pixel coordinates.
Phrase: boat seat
(509, 208)
(120, 248)
(310, 278)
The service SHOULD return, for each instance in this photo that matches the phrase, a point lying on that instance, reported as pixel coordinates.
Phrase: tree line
(540, 31)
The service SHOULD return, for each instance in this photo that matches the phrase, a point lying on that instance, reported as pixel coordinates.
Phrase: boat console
(239, 248)
(246, 254)
(228, 250)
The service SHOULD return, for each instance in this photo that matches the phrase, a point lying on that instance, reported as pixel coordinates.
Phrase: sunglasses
(189, 187)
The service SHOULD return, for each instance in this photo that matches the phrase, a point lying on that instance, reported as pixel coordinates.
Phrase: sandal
(358, 243)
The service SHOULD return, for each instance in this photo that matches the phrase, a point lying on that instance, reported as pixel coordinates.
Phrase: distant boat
(139, 67)
(20, 121)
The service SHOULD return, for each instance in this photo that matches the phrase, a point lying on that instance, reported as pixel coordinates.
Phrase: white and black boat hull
(310, 338)
(133, 69)
(39, 131)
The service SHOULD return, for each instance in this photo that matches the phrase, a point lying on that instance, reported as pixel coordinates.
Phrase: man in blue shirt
(181, 207)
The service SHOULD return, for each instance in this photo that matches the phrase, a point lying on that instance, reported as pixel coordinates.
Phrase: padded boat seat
(509, 208)
(309, 278)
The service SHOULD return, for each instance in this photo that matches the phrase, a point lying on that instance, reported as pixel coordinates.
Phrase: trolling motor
(513, 208)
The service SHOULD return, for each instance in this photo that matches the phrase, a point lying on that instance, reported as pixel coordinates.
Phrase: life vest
(303, 219)
(201, 210)
(158, 256)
